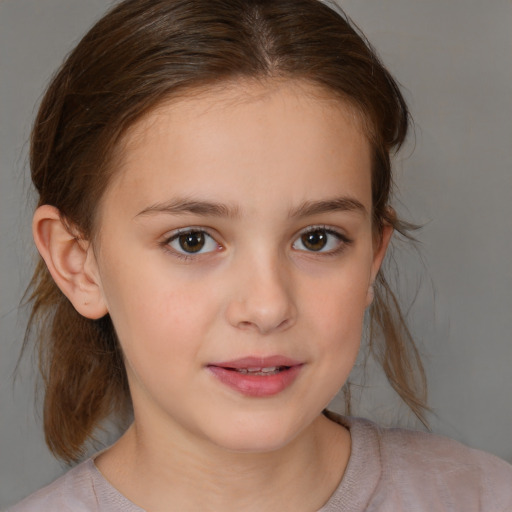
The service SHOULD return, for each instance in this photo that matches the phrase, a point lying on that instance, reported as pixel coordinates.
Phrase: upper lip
(251, 362)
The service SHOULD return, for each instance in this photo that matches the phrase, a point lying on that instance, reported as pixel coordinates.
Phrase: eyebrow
(337, 204)
(183, 206)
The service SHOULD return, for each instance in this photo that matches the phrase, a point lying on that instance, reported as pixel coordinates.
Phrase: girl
(214, 182)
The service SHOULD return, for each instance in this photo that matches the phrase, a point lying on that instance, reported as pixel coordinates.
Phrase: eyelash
(343, 240)
(187, 231)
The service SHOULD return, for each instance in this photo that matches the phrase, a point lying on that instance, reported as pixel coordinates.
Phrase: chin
(256, 435)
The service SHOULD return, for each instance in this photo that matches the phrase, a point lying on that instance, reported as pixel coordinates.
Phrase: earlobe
(370, 294)
(70, 261)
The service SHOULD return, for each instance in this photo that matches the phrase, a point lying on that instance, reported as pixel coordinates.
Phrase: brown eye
(314, 240)
(192, 242)
(322, 240)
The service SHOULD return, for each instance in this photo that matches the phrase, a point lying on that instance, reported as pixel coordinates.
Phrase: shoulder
(418, 467)
(72, 491)
(456, 471)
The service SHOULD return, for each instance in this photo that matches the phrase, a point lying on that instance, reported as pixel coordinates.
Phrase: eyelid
(343, 239)
(173, 235)
(325, 227)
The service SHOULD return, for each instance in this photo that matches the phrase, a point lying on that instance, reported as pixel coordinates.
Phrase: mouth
(257, 377)
(271, 370)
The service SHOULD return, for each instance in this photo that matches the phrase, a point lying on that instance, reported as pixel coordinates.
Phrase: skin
(264, 152)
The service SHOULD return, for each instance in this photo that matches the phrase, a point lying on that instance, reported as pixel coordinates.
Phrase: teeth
(259, 371)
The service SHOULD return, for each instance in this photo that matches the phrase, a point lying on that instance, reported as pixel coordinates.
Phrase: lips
(257, 376)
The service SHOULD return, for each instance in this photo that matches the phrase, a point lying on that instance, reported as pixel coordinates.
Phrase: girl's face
(235, 255)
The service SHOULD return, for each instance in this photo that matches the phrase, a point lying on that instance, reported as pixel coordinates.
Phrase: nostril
(262, 328)
(285, 323)
(262, 310)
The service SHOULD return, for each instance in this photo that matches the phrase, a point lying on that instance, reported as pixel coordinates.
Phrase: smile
(257, 377)
(272, 370)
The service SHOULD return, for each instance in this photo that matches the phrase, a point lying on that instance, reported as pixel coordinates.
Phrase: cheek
(335, 327)
(340, 298)
(161, 337)
(156, 317)
(336, 313)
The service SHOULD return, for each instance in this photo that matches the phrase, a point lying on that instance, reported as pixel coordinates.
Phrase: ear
(70, 260)
(381, 244)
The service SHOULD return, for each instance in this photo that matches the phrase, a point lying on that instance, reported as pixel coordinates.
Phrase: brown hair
(137, 55)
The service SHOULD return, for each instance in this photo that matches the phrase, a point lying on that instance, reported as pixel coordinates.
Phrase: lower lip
(256, 385)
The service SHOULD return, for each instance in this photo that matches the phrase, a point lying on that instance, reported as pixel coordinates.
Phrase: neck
(155, 470)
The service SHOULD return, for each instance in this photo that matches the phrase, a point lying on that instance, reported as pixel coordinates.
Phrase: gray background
(454, 62)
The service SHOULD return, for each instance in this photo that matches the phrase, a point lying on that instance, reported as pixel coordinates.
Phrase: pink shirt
(389, 470)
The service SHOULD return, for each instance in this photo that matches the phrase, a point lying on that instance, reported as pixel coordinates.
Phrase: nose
(262, 297)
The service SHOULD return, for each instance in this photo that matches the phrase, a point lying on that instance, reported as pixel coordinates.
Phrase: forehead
(266, 134)
(231, 96)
